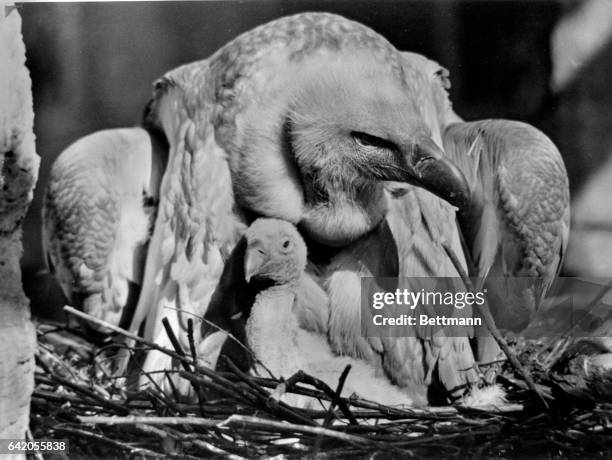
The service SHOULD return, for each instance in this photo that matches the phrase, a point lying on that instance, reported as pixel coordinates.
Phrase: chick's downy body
(273, 333)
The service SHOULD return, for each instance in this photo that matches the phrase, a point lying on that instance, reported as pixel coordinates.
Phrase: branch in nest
(490, 323)
(149, 420)
(256, 423)
(241, 393)
(302, 377)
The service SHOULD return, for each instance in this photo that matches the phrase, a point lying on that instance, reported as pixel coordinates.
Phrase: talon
(489, 376)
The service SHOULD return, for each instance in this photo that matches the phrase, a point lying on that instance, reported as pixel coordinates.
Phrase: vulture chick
(275, 260)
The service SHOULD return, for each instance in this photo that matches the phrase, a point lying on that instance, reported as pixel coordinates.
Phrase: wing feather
(196, 226)
(518, 223)
(98, 210)
(421, 223)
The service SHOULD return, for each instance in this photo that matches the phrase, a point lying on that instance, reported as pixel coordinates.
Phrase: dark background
(92, 66)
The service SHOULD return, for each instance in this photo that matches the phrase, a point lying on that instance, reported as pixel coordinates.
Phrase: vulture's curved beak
(427, 167)
(255, 259)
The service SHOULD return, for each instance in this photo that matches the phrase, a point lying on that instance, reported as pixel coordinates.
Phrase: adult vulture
(319, 121)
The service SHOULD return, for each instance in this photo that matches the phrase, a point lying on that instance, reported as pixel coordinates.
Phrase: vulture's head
(347, 125)
(275, 253)
(356, 126)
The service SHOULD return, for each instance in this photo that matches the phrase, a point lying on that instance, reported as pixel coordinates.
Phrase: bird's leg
(488, 352)
(489, 357)
(490, 323)
(121, 360)
(122, 357)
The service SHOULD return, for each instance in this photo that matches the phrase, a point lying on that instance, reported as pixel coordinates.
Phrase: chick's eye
(286, 244)
(369, 141)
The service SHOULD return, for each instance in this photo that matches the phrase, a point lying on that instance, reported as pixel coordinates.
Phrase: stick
(192, 347)
(229, 335)
(302, 377)
(282, 408)
(330, 413)
(163, 435)
(245, 377)
(238, 392)
(221, 388)
(250, 422)
(490, 323)
(339, 388)
(216, 450)
(175, 343)
(179, 349)
(124, 333)
(134, 419)
(84, 390)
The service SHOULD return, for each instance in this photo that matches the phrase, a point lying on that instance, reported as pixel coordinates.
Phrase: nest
(77, 399)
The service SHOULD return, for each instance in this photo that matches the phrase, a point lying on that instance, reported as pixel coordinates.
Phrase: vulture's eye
(286, 244)
(369, 141)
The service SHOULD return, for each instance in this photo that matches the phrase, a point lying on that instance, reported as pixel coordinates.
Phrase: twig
(302, 377)
(229, 335)
(490, 323)
(163, 435)
(339, 388)
(250, 422)
(190, 337)
(225, 386)
(444, 413)
(160, 395)
(83, 390)
(216, 450)
(245, 377)
(125, 333)
(179, 349)
(273, 383)
(194, 357)
(442, 437)
(175, 343)
(149, 420)
(282, 408)
(175, 393)
(204, 445)
(223, 389)
(65, 398)
(330, 413)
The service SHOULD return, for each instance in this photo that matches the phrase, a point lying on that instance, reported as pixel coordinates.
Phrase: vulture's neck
(272, 331)
(339, 211)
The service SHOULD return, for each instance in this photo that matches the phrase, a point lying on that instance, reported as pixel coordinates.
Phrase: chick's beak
(426, 166)
(254, 260)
